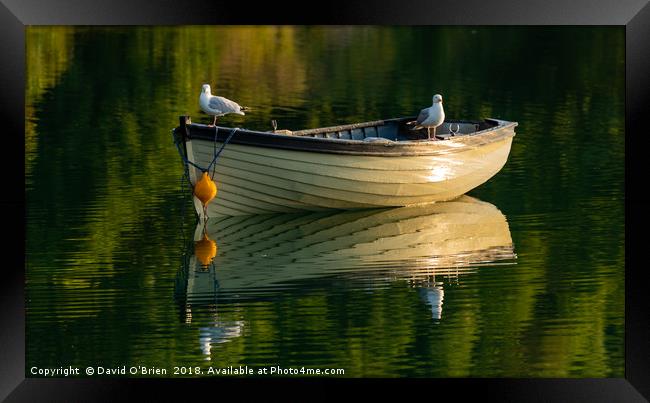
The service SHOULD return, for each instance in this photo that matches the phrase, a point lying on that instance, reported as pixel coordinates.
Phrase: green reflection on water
(104, 237)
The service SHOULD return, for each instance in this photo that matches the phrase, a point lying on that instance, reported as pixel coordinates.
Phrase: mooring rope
(208, 188)
(216, 153)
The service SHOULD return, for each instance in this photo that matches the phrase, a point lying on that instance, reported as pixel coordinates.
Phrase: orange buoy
(205, 250)
(205, 189)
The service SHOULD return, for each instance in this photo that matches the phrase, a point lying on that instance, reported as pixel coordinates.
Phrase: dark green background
(107, 225)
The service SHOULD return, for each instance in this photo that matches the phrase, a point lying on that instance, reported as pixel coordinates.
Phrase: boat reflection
(252, 257)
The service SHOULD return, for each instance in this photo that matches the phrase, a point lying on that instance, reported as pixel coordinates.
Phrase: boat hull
(259, 180)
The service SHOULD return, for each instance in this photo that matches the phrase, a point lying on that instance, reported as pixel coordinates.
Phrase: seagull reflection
(433, 297)
(220, 332)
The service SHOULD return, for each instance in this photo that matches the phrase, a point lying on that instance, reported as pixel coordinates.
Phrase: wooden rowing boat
(363, 165)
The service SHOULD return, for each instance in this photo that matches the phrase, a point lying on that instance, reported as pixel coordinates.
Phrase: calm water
(524, 277)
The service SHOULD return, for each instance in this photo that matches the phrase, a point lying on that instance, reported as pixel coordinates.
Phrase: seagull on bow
(218, 106)
(430, 117)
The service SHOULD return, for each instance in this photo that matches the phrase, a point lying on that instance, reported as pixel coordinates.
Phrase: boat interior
(394, 130)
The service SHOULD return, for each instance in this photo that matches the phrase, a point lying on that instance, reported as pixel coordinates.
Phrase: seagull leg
(214, 122)
(434, 134)
(429, 133)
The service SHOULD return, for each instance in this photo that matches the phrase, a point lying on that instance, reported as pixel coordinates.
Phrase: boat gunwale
(299, 141)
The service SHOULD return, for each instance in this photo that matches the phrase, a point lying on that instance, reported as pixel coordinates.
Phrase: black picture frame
(16, 14)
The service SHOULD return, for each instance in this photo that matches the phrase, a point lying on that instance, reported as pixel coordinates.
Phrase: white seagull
(430, 117)
(218, 106)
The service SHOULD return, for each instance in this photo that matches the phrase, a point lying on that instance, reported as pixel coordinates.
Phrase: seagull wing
(424, 115)
(224, 105)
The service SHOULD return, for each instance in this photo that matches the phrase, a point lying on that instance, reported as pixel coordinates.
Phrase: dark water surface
(524, 277)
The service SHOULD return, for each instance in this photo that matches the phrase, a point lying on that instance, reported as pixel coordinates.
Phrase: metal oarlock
(454, 132)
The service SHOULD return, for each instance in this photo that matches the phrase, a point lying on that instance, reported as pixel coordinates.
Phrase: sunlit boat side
(363, 165)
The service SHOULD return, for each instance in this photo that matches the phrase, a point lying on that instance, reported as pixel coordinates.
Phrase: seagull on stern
(430, 117)
(218, 106)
